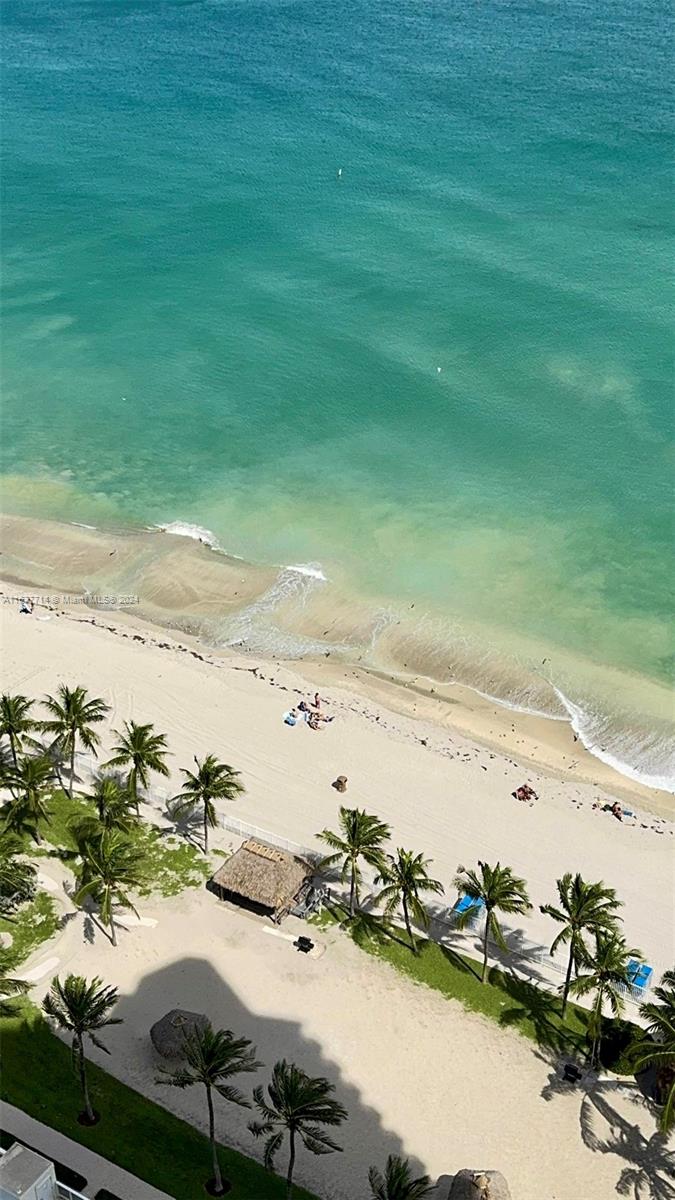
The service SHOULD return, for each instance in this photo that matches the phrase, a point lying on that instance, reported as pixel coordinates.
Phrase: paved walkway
(98, 1172)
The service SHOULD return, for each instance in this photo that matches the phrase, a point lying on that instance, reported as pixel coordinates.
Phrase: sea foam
(196, 532)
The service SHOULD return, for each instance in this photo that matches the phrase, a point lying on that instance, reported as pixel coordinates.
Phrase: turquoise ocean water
(443, 376)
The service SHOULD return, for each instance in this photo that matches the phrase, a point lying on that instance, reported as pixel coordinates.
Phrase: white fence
(243, 829)
(443, 920)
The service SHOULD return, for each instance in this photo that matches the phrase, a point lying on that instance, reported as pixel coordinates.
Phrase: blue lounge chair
(639, 974)
(466, 905)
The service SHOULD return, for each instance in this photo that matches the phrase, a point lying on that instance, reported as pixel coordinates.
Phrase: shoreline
(180, 575)
(441, 793)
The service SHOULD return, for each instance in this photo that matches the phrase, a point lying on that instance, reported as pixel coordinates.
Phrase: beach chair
(469, 910)
(639, 976)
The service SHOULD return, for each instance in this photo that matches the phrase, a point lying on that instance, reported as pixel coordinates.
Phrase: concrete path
(98, 1172)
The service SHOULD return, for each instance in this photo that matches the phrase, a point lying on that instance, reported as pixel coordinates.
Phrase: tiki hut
(169, 1033)
(261, 878)
(479, 1185)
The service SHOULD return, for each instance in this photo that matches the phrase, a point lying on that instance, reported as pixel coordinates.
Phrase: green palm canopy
(298, 1106)
(656, 1048)
(141, 750)
(397, 1182)
(501, 891)
(73, 714)
(583, 908)
(361, 836)
(212, 1058)
(82, 1008)
(213, 780)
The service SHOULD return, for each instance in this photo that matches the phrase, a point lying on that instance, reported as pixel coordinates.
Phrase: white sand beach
(417, 1073)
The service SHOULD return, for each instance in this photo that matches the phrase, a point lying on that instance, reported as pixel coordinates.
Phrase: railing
(66, 1193)
(243, 829)
(62, 1190)
(444, 919)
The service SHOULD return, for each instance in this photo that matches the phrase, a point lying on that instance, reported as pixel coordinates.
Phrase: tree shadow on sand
(649, 1173)
(542, 1009)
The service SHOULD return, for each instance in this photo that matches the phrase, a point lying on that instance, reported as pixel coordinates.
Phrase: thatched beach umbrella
(479, 1185)
(169, 1033)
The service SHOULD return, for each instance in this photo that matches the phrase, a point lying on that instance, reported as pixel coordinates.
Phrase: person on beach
(525, 793)
(26, 606)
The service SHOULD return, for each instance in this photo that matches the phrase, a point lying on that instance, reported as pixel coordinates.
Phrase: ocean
(379, 289)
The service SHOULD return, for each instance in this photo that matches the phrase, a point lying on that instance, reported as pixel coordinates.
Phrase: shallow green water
(445, 375)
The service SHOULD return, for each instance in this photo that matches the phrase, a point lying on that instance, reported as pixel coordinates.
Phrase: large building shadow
(192, 983)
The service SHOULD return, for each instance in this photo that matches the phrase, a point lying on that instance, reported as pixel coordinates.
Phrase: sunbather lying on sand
(525, 793)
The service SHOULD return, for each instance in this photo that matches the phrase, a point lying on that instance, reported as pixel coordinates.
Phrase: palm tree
(73, 715)
(584, 908)
(17, 724)
(142, 751)
(501, 891)
(212, 780)
(214, 1056)
(17, 877)
(29, 781)
(405, 879)
(397, 1183)
(8, 985)
(82, 1008)
(110, 865)
(361, 836)
(656, 1046)
(113, 804)
(298, 1105)
(607, 975)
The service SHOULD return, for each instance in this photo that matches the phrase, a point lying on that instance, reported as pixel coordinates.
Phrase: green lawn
(511, 1002)
(33, 924)
(171, 864)
(135, 1133)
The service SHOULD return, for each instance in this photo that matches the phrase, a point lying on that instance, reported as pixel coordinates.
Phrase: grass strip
(134, 1132)
(505, 998)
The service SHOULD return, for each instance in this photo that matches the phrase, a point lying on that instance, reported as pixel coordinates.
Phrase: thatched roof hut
(262, 878)
(479, 1185)
(169, 1033)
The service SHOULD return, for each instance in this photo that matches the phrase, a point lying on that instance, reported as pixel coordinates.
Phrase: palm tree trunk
(12, 743)
(217, 1177)
(597, 1028)
(133, 790)
(72, 769)
(291, 1164)
(406, 918)
(485, 947)
(89, 1112)
(568, 979)
(113, 934)
(352, 893)
(206, 832)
